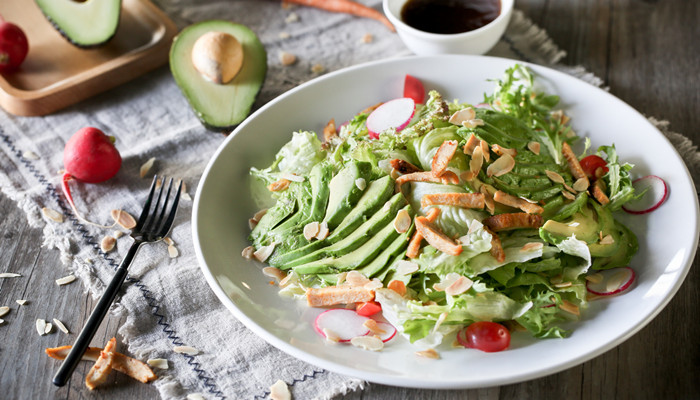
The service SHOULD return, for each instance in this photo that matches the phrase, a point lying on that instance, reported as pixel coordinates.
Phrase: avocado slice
(219, 106)
(376, 194)
(345, 191)
(627, 248)
(397, 246)
(85, 24)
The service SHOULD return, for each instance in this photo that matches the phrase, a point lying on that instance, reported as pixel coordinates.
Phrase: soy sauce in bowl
(449, 16)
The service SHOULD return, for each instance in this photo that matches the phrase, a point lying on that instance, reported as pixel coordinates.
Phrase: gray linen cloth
(166, 300)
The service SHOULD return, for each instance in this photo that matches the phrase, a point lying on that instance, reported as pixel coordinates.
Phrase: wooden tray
(57, 74)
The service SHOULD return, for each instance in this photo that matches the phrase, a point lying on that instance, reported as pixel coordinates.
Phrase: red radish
(346, 324)
(657, 192)
(13, 46)
(89, 156)
(615, 280)
(395, 113)
(389, 330)
(369, 308)
(413, 88)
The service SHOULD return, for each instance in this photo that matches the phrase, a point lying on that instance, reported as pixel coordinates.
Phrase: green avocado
(219, 106)
(345, 191)
(380, 262)
(83, 23)
(627, 247)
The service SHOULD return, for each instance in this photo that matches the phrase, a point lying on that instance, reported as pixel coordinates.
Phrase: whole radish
(89, 156)
(13, 46)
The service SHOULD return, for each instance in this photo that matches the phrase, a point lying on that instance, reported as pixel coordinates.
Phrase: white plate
(223, 206)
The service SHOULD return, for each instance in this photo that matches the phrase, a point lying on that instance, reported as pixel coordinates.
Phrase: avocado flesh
(344, 191)
(377, 193)
(220, 107)
(397, 246)
(84, 24)
(627, 248)
(354, 259)
(358, 237)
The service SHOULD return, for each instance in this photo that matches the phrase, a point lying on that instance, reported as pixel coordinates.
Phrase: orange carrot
(348, 7)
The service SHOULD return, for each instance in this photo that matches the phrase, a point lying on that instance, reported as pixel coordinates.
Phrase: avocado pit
(218, 56)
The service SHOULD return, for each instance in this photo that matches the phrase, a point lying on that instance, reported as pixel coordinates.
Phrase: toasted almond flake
(402, 221)
(485, 151)
(448, 280)
(190, 351)
(405, 267)
(608, 239)
(172, 251)
(462, 115)
(373, 327)
(167, 240)
(252, 223)
(595, 278)
(563, 284)
(500, 150)
(65, 280)
(331, 337)
(430, 353)
(532, 246)
(41, 327)
(185, 196)
(369, 343)
(570, 307)
(117, 234)
(292, 276)
(568, 195)
(394, 174)
(488, 199)
(581, 185)
(322, 231)
(503, 165)
(477, 161)
(361, 183)
(616, 281)
(287, 59)
(9, 275)
(367, 38)
(279, 185)
(555, 177)
(341, 277)
(107, 244)
(280, 391)
(439, 321)
(143, 171)
(195, 396)
(160, 363)
(317, 69)
(4, 310)
(356, 278)
(284, 35)
(30, 155)
(52, 214)
(374, 284)
(248, 252)
(123, 218)
(473, 123)
(258, 215)
(21, 302)
(459, 286)
(569, 188)
(292, 17)
(311, 230)
(273, 272)
(534, 147)
(60, 326)
(264, 252)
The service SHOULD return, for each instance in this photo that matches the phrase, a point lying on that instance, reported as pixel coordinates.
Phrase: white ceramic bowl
(478, 41)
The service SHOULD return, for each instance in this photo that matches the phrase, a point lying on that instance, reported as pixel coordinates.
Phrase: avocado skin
(57, 26)
(238, 95)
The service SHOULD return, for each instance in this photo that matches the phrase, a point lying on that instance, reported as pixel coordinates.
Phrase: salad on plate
(440, 219)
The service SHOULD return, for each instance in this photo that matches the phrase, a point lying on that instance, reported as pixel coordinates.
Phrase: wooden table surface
(645, 51)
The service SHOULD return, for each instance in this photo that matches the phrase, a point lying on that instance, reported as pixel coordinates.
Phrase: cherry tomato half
(591, 163)
(485, 336)
(368, 308)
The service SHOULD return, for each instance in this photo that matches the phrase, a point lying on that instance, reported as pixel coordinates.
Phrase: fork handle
(98, 314)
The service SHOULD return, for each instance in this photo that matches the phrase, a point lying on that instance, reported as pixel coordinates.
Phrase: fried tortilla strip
(463, 200)
(417, 239)
(370, 108)
(437, 239)
(120, 362)
(512, 201)
(404, 167)
(507, 222)
(329, 131)
(572, 160)
(333, 295)
(103, 366)
(471, 144)
(496, 247)
(443, 156)
(599, 193)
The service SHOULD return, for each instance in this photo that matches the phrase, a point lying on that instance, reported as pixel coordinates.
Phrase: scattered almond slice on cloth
(4, 310)
(30, 155)
(103, 366)
(21, 302)
(120, 362)
(65, 280)
(9, 275)
(52, 214)
(369, 343)
(143, 171)
(190, 351)
(41, 327)
(173, 252)
(61, 326)
(107, 244)
(124, 219)
(159, 363)
(280, 391)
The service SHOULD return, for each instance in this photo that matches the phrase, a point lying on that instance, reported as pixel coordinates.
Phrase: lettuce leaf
(620, 189)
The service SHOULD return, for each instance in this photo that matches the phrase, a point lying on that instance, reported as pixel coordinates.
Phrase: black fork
(151, 227)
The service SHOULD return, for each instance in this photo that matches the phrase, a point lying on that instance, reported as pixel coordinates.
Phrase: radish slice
(615, 280)
(656, 194)
(395, 113)
(389, 331)
(413, 88)
(346, 324)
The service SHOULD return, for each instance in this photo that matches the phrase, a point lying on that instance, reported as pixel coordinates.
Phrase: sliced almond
(503, 165)
(473, 123)
(488, 199)
(568, 195)
(9, 275)
(117, 234)
(252, 223)
(172, 251)
(41, 327)
(4, 310)
(21, 302)
(143, 171)
(248, 252)
(462, 115)
(190, 351)
(439, 321)
(279, 185)
(311, 230)
(402, 222)
(477, 161)
(159, 363)
(569, 188)
(341, 277)
(430, 353)
(292, 177)
(258, 215)
(288, 279)
(273, 272)
(485, 151)
(361, 183)
(169, 241)
(563, 285)
(595, 278)
(186, 196)
(287, 59)
(124, 219)
(195, 396)
(264, 252)
(555, 177)
(374, 284)
(461, 285)
(60, 326)
(570, 307)
(318, 68)
(373, 327)
(52, 214)
(331, 337)
(534, 147)
(616, 281)
(608, 239)
(65, 280)
(356, 278)
(280, 391)
(448, 280)
(322, 231)
(48, 328)
(500, 150)
(404, 267)
(369, 343)
(107, 244)
(532, 246)
(30, 155)
(581, 185)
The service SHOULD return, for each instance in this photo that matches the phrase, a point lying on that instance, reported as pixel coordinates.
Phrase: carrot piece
(414, 244)
(403, 166)
(443, 156)
(398, 287)
(436, 238)
(103, 366)
(347, 7)
(463, 200)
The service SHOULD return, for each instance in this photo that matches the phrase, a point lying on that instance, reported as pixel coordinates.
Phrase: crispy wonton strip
(512, 201)
(404, 167)
(443, 156)
(471, 144)
(414, 244)
(436, 238)
(329, 131)
(103, 366)
(571, 159)
(121, 363)
(332, 295)
(463, 200)
(496, 247)
(507, 222)
(599, 193)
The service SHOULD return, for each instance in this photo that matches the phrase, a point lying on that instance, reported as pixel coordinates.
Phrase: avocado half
(220, 107)
(85, 24)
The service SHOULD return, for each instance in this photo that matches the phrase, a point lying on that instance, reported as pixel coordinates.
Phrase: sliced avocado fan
(84, 24)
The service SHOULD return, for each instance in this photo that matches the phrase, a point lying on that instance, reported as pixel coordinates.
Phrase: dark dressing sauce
(449, 16)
